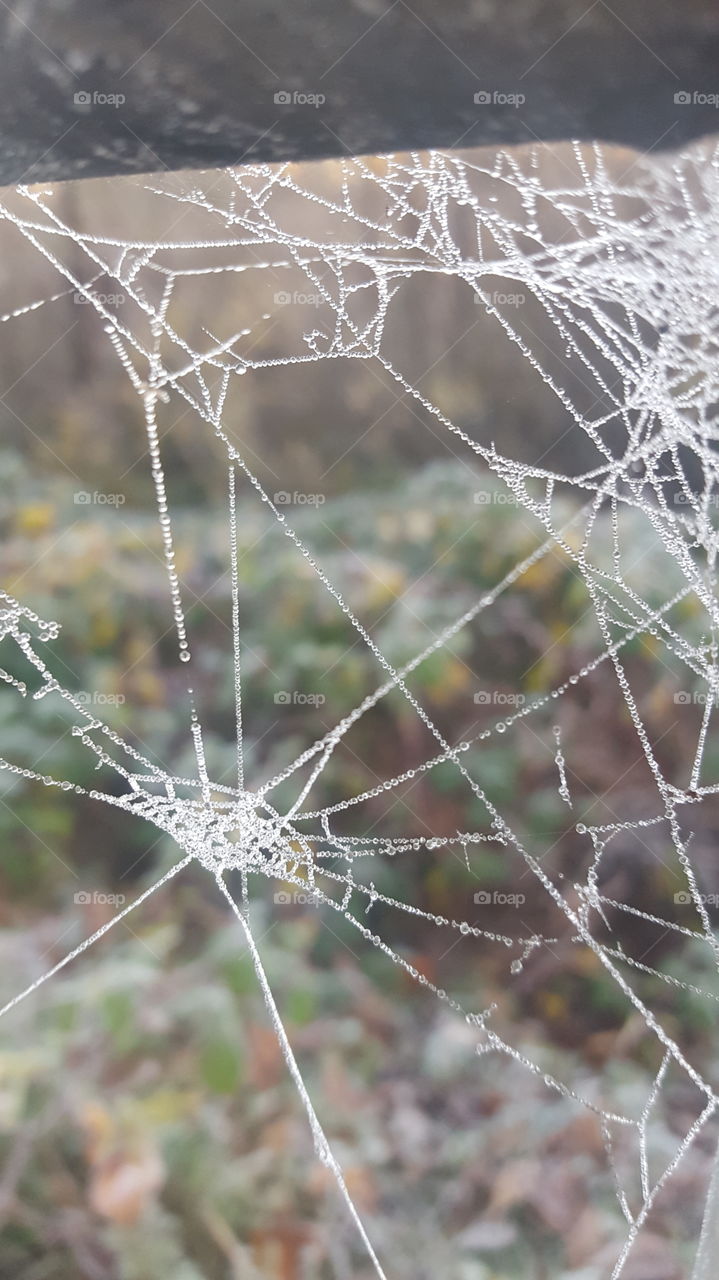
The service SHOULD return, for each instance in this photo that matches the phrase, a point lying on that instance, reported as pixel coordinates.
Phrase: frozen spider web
(625, 269)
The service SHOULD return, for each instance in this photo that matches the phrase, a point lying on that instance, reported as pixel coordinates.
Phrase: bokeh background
(147, 1123)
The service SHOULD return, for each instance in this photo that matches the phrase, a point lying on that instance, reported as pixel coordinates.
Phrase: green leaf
(220, 1066)
(239, 975)
(118, 1017)
(301, 1006)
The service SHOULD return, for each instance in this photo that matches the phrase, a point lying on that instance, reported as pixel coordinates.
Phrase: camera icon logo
(682, 98)
(482, 698)
(482, 497)
(682, 697)
(482, 897)
(283, 299)
(483, 97)
(82, 98)
(82, 499)
(282, 898)
(82, 898)
(282, 499)
(683, 898)
(283, 698)
(283, 98)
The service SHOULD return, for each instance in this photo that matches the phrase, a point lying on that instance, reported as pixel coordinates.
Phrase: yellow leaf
(386, 582)
(103, 630)
(165, 1106)
(553, 1005)
(35, 518)
(99, 1128)
(454, 678)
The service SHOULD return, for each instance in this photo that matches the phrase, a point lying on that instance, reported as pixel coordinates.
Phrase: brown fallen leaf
(121, 1186)
(277, 1249)
(559, 1195)
(358, 1179)
(265, 1064)
(585, 1237)
(514, 1185)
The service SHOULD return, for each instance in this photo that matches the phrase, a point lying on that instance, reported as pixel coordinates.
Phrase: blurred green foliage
(146, 1121)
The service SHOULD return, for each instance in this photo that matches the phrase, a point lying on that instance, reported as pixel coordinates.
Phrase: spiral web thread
(628, 286)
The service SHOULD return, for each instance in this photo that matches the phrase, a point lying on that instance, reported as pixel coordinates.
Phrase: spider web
(625, 269)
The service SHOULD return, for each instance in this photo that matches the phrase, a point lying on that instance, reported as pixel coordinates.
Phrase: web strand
(626, 289)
